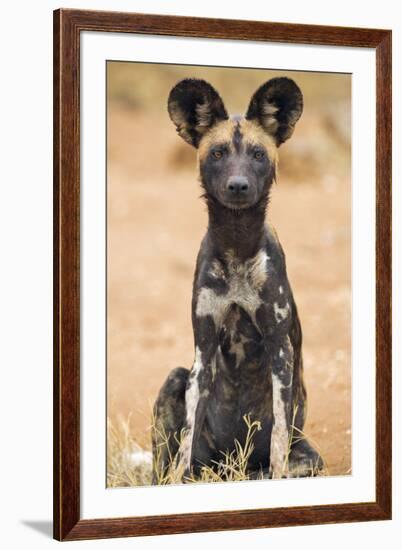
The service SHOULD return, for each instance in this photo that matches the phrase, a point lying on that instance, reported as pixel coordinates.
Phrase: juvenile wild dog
(247, 334)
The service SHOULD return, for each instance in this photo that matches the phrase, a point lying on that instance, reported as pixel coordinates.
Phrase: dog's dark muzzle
(237, 186)
(238, 192)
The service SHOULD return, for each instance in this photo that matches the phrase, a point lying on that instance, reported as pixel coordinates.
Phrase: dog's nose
(237, 184)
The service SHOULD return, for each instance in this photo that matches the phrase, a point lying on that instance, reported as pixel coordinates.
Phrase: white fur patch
(192, 392)
(245, 280)
(210, 303)
(141, 458)
(257, 269)
(280, 433)
(192, 399)
(280, 430)
(289, 353)
(281, 313)
(216, 270)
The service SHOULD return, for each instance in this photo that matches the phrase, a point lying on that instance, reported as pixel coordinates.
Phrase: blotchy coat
(247, 334)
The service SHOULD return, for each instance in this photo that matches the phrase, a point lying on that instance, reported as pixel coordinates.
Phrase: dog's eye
(259, 155)
(217, 154)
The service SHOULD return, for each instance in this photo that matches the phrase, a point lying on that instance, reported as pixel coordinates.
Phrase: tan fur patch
(220, 133)
(269, 120)
(253, 133)
(203, 116)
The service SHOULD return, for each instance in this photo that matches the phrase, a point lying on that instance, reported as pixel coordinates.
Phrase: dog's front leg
(281, 360)
(274, 324)
(206, 324)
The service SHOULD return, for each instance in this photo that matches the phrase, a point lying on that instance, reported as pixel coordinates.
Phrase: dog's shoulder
(274, 249)
(206, 255)
(209, 271)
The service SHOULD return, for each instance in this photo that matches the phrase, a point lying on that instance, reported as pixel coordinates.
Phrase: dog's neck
(240, 231)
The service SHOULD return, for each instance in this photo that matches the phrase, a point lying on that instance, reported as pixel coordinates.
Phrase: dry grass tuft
(233, 466)
(129, 465)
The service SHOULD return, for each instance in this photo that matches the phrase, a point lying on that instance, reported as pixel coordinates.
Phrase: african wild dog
(246, 328)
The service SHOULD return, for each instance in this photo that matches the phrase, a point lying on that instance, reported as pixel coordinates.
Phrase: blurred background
(156, 221)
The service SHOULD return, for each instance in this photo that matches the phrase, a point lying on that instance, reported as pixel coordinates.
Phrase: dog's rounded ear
(194, 107)
(277, 105)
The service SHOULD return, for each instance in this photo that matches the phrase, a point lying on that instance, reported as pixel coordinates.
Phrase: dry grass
(232, 466)
(129, 465)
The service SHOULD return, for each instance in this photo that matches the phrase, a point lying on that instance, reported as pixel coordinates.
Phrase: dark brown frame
(68, 25)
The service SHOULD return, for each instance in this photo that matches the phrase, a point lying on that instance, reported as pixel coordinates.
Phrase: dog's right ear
(194, 107)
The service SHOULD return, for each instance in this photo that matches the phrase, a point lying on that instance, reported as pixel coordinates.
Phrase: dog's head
(238, 154)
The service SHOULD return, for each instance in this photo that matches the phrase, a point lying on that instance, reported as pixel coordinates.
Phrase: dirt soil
(155, 224)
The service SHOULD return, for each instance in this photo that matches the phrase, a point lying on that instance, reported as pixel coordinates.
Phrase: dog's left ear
(194, 107)
(277, 105)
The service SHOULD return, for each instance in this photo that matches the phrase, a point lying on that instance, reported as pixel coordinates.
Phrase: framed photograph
(222, 274)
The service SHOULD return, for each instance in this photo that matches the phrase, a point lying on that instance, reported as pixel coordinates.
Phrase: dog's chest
(244, 282)
(233, 283)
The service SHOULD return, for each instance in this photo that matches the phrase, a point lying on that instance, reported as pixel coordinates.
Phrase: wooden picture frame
(68, 24)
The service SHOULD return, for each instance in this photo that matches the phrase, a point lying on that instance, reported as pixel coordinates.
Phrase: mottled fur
(247, 332)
